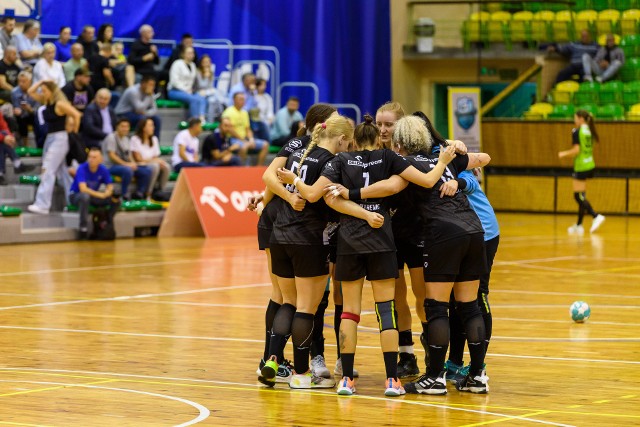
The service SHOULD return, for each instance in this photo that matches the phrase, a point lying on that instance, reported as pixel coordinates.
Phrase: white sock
(405, 349)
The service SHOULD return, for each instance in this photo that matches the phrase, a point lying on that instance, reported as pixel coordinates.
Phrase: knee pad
(468, 310)
(436, 309)
(387, 315)
(483, 302)
(579, 197)
(350, 316)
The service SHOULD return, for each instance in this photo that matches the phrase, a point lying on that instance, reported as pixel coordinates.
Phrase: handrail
(353, 107)
(316, 89)
(271, 65)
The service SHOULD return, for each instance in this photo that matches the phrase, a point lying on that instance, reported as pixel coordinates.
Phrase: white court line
(591, 322)
(327, 393)
(519, 292)
(203, 412)
(98, 267)
(261, 342)
(529, 261)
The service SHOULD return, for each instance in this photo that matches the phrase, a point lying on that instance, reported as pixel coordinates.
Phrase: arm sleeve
(90, 126)
(575, 137)
(4, 129)
(600, 55)
(135, 55)
(156, 147)
(81, 175)
(461, 163)
(467, 182)
(398, 163)
(106, 176)
(332, 169)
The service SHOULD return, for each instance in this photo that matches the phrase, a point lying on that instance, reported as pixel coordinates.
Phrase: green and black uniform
(583, 166)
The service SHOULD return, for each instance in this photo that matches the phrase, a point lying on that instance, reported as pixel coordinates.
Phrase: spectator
(101, 73)
(29, 46)
(24, 110)
(606, 63)
(86, 39)
(246, 86)
(241, 130)
(124, 74)
(76, 62)
(47, 68)
(176, 53)
(285, 118)
(78, 90)
(138, 101)
(63, 44)
(7, 145)
(85, 190)
(117, 153)
(118, 52)
(182, 79)
(146, 151)
(186, 146)
(7, 38)
(105, 34)
(204, 86)
(263, 112)
(575, 51)
(99, 120)
(143, 55)
(9, 71)
(217, 149)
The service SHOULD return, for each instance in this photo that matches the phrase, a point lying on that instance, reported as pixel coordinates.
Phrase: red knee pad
(350, 316)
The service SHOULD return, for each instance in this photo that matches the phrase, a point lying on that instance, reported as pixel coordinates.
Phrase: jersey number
(365, 175)
(446, 176)
(303, 175)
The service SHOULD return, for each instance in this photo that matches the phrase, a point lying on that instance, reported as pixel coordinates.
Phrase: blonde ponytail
(335, 125)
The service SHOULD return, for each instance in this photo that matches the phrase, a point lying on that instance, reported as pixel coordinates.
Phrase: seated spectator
(63, 45)
(176, 53)
(78, 91)
(575, 51)
(24, 110)
(7, 149)
(86, 39)
(124, 74)
(105, 34)
(146, 152)
(47, 68)
(606, 63)
(246, 86)
(76, 62)
(143, 54)
(182, 79)
(99, 120)
(204, 87)
(285, 118)
(264, 108)
(217, 149)
(241, 130)
(117, 156)
(28, 43)
(7, 36)
(9, 71)
(138, 102)
(86, 192)
(186, 146)
(102, 75)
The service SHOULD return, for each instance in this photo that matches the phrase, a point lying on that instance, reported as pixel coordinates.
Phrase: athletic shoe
(454, 372)
(346, 387)
(474, 384)
(319, 367)
(408, 365)
(428, 385)
(597, 222)
(270, 372)
(337, 371)
(260, 366)
(309, 380)
(393, 387)
(576, 229)
(38, 210)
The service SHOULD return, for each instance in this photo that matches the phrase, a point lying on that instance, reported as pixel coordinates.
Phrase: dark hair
(193, 121)
(95, 149)
(142, 123)
(186, 36)
(318, 113)
(8, 18)
(260, 81)
(101, 32)
(588, 117)
(437, 138)
(238, 93)
(30, 23)
(64, 27)
(366, 133)
(122, 120)
(245, 75)
(147, 77)
(294, 98)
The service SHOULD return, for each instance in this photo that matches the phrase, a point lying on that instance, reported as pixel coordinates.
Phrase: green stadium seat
(630, 70)
(542, 26)
(563, 26)
(173, 176)
(611, 92)
(9, 211)
(30, 179)
(562, 111)
(590, 108)
(74, 208)
(166, 150)
(131, 205)
(629, 22)
(209, 126)
(587, 93)
(170, 103)
(623, 5)
(631, 94)
(629, 44)
(29, 151)
(274, 149)
(600, 5)
(538, 111)
(611, 112)
(608, 21)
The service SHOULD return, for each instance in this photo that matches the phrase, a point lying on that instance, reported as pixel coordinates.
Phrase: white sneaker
(319, 367)
(576, 229)
(337, 371)
(346, 387)
(597, 222)
(308, 380)
(38, 210)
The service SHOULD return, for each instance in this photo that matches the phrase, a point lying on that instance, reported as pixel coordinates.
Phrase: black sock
(317, 345)
(337, 319)
(390, 364)
(281, 330)
(405, 338)
(458, 337)
(347, 364)
(474, 326)
(272, 309)
(301, 332)
(425, 345)
(437, 334)
(483, 300)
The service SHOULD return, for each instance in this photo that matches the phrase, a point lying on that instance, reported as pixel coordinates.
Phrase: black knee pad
(387, 315)
(483, 302)
(468, 310)
(436, 309)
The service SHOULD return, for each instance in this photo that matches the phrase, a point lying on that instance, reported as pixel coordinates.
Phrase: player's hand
(297, 202)
(285, 176)
(460, 147)
(375, 220)
(252, 204)
(447, 154)
(449, 188)
(336, 190)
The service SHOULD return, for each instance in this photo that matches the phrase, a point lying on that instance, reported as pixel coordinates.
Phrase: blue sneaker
(454, 372)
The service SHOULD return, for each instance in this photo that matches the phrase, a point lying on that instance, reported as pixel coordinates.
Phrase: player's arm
(385, 188)
(350, 208)
(572, 152)
(430, 178)
(478, 160)
(311, 193)
(270, 179)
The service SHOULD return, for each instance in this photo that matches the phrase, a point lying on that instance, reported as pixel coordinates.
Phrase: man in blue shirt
(285, 118)
(85, 190)
(217, 149)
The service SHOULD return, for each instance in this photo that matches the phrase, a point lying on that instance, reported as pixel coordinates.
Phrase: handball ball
(579, 311)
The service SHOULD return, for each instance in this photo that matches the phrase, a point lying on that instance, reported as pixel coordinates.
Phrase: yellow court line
(502, 420)
(56, 388)
(628, 396)
(575, 406)
(602, 401)
(23, 424)
(605, 270)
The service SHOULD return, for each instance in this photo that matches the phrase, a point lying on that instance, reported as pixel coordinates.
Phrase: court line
(591, 322)
(15, 393)
(99, 267)
(484, 423)
(9, 423)
(204, 413)
(534, 260)
(520, 292)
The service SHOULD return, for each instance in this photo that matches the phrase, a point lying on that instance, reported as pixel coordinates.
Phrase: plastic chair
(631, 94)
(611, 112)
(588, 93)
(630, 70)
(582, 5)
(541, 26)
(600, 4)
(608, 21)
(585, 20)
(498, 27)
(564, 91)
(629, 45)
(602, 39)
(563, 28)
(590, 108)
(629, 22)
(562, 112)
(224, 82)
(611, 92)
(634, 113)
(622, 5)
(538, 111)
(475, 29)
(521, 27)
(532, 7)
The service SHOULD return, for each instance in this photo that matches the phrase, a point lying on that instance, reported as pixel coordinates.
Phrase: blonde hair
(56, 93)
(334, 126)
(394, 107)
(48, 46)
(411, 133)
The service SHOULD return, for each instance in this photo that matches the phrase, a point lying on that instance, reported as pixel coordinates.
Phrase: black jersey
(406, 222)
(304, 227)
(447, 217)
(294, 144)
(360, 169)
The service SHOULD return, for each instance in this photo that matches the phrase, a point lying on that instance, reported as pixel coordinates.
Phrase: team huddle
(345, 204)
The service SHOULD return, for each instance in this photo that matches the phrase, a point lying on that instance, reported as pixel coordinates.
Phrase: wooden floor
(169, 332)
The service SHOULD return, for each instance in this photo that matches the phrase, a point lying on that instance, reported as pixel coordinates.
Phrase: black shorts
(330, 238)
(291, 261)
(374, 266)
(490, 248)
(461, 259)
(409, 253)
(583, 175)
(264, 236)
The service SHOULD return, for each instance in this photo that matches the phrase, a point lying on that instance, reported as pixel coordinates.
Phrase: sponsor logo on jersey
(295, 144)
(215, 198)
(370, 206)
(363, 165)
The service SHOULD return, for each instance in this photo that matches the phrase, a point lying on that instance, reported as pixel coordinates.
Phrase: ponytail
(334, 126)
(315, 138)
(366, 133)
